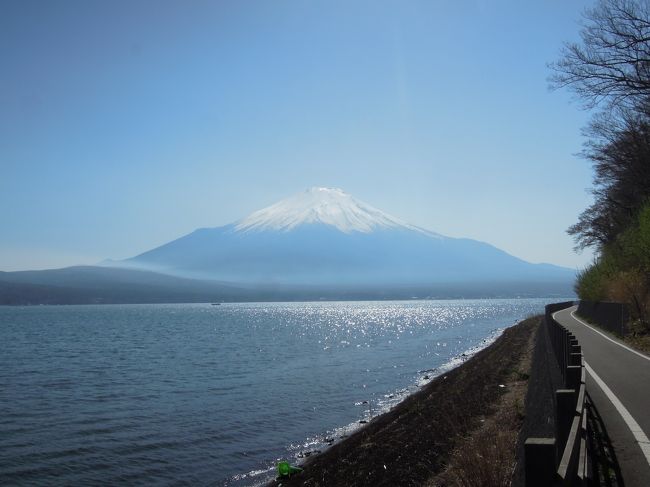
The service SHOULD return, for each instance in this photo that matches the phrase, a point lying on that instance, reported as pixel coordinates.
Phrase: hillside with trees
(609, 71)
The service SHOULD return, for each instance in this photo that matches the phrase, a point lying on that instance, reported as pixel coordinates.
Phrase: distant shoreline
(106, 285)
(342, 300)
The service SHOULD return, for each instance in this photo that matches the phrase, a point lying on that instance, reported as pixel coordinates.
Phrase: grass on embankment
(486, 456)
(640, 343)
(460, 429)
(639, 339)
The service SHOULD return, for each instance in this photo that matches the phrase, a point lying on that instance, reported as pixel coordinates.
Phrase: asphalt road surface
(618, 381)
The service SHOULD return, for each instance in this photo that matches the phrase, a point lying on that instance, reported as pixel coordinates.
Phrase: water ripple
(213, 395)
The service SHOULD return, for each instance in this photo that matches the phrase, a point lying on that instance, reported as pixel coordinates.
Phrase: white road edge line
(605, 336)
(631, 423)
(610, 339)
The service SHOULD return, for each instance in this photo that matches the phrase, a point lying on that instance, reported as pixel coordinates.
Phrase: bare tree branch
(610, 68)
(612, 63)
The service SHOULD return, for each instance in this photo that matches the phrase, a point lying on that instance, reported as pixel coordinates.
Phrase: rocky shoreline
(417, 442)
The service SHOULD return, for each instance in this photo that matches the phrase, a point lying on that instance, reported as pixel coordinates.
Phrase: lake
(199, 394)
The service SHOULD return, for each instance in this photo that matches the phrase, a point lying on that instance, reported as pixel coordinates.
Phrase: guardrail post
(565, 405)
(573, 376)
(565, 349)
(540, 461)
(571, 340)
(562, 352)
(575, 359)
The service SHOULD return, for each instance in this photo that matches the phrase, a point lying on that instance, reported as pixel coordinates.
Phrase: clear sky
(126, 124)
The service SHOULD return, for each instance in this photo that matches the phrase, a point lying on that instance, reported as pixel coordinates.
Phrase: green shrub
(622, 271)
(591, 283)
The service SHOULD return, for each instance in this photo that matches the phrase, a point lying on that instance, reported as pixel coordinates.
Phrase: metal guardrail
(564, 459)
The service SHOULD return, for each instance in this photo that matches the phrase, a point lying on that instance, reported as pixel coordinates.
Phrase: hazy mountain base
(324, 256)
(102, 285)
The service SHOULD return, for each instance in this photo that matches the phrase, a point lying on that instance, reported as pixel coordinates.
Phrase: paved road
(618, 381)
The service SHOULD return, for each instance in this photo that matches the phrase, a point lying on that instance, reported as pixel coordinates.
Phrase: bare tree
(610, 68)
(620, 153)
(612, 63)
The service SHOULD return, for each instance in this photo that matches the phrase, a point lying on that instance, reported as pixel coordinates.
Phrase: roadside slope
(413, 442)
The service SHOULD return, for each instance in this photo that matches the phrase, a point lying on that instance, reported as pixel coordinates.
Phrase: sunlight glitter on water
(137, 393)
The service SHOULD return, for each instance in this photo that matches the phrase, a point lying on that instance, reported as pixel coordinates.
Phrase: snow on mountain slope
(329, 206)
(325, 237)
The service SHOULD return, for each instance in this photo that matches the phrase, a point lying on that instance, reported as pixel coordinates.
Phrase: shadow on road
(605, 467)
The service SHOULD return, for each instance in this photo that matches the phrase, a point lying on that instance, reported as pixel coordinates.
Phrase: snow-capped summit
(329, 206)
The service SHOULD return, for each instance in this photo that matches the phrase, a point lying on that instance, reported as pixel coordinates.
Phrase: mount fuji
(325, 238)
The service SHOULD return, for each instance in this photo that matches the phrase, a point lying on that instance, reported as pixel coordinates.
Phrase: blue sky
(126, 124)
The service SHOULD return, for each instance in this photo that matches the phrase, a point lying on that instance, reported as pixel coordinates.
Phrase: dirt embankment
(434, 436)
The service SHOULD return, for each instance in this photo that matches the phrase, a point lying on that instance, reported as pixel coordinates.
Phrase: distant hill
(100, 285)
(88, 284)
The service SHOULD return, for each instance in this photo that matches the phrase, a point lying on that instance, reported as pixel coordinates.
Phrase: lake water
(213, 395)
